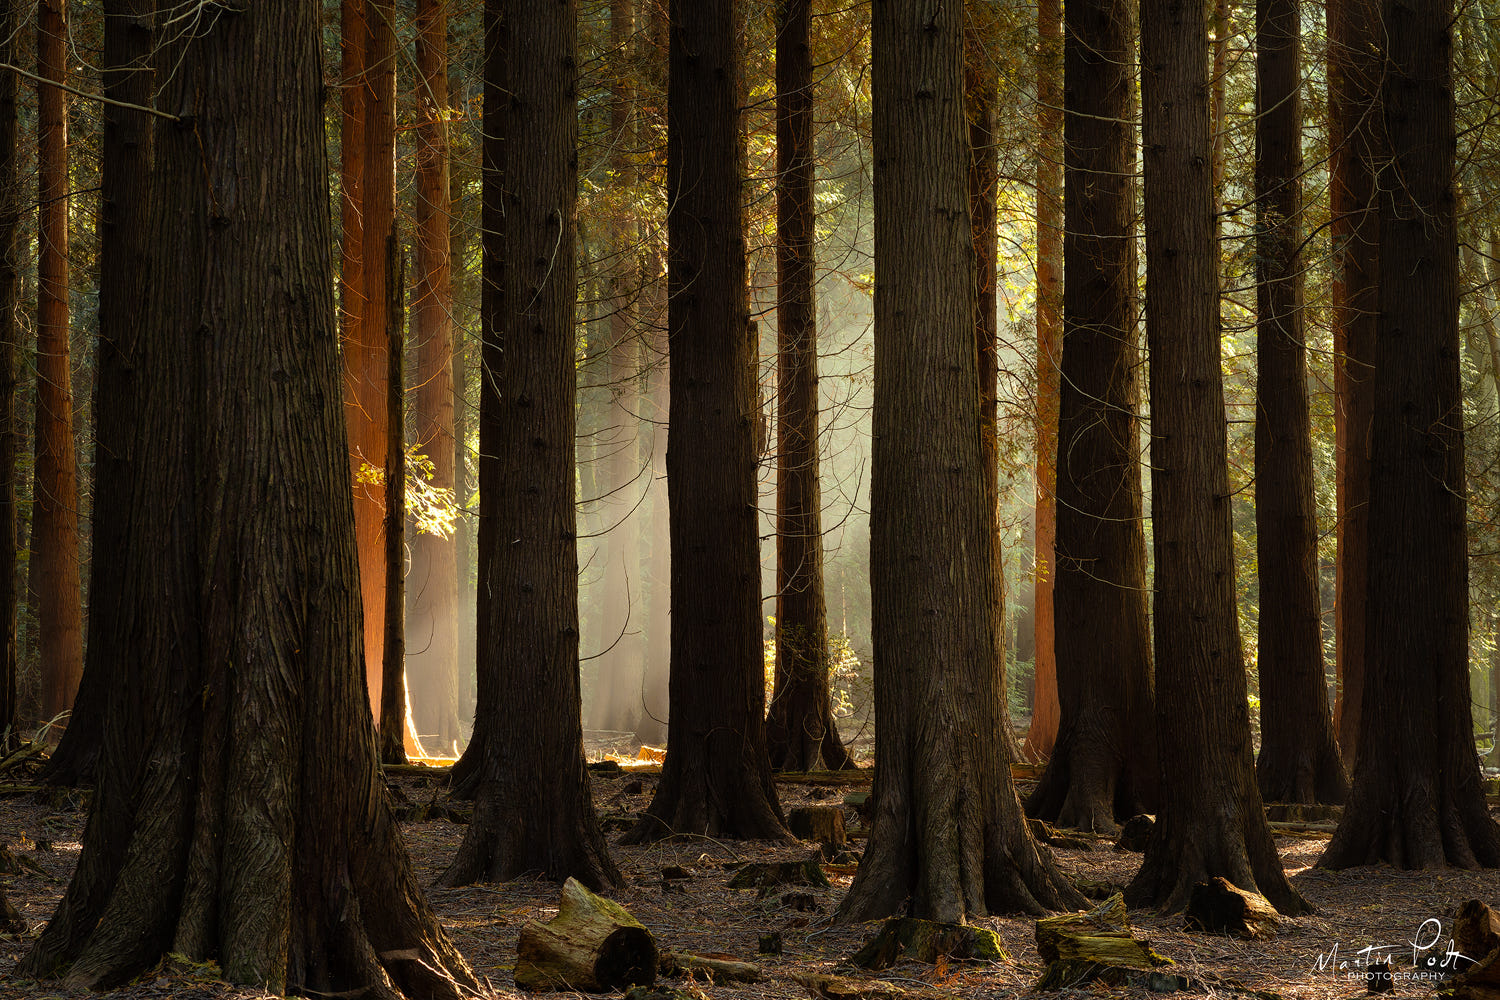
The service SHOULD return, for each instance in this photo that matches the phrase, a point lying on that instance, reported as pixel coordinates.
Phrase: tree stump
(824, 824)
(1220, 905)
(765, 876)
(593, 945)
(1480, 982)
(1134, 833)
(1099, 945)
(1476, 930)
(11, 921)
(911, 939)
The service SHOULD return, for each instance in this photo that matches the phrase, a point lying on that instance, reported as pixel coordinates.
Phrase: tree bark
(432, 588)
(393, 704)
(1354, 71)
(1104, 763)
(1299, 758)
(716, 779)
(125, 190)
(947, 833)
(1416, 799)
(801, 732)
(10, 424)
(54, 535)
(1045, 710)
(1210, 820)
(533, 811)
(240, 815)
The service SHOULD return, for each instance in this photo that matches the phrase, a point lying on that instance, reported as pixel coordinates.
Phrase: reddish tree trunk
(54, 534)
(10, 429)
(1045, 711)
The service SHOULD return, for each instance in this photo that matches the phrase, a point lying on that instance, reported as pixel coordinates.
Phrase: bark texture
(533, 811)
(947, 832)
(801, 733)
(1210, 820)
(1416, 800)
(1299, 758)
(240, 814)
(125, 190)
(1104, 764)
(1354, 72)
(432, 581)
(1045, 710)
(716, 779)
(54, 517)
(10, 425)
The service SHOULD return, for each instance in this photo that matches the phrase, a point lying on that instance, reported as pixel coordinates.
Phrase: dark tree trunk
(54, 533)
(1210, 820)
(716, 779)
(800, 730)
(948, 833)
(1299, 758)
(982, 38)
(240, 815)
(393, 708)
(1104, 763)
(432, 588)
(534, 812)
(1045, 710)
(1354, 71)
(1416, 799)
(621, 664)
(125, 170)
(10, 424)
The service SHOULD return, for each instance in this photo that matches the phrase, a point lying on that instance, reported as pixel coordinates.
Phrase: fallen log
(1480, 982)
(822, 987)
(1220, 905)
(593, 945)
(911, 939)
(720, 970)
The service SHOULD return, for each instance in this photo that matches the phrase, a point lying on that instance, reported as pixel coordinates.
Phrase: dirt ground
(1403, 916)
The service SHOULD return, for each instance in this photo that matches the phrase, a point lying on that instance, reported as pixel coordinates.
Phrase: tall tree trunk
(1299, 758)
(1210, 819)
(10, 425)
(1045, 711)
(393, 700)
(534, 811)
(125, 191)
(981, 99)
(622, 663)
(801, 732)
(54, 535)
(948, 834)
(716, 779)
(1104, 763)
(432, 588)
(1354, 71)
(240, 815)
(1416, 800)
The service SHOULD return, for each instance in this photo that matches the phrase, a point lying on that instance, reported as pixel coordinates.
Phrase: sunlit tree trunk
(54, 534)
(1042, 735)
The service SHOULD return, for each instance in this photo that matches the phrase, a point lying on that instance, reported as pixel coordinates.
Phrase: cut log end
(593, 945)
(1221, 906)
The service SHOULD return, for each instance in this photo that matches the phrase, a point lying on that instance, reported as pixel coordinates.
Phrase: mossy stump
(911, 939)
(593, 945)
(1098, 945)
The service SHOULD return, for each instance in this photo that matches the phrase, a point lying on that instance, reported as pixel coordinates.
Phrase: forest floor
(1368, 908)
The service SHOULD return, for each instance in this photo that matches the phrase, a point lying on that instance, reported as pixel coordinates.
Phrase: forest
(749, 498)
